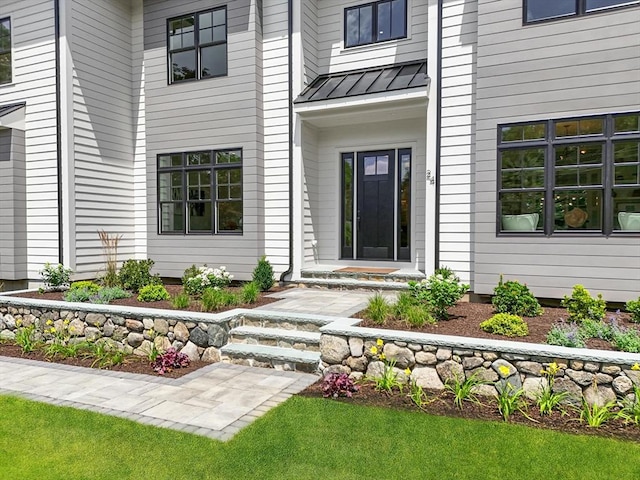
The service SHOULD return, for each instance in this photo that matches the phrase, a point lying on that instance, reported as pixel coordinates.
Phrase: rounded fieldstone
(181, 332)
(211, 355)
(576, 364)
(334, 349)
(118, 320)
(359, 364)
(443, 354)
(426, 358)
(161, 326)
(134, 325)
(162, 343)
(564, 384)
(530, 368)
(603, 379)
(148, 323)
(76, 328)
(217, 336)
(610, 369)
(621, 385)
(490, 356)
(92, 334)
(599, 395)
(120, 333)
(533, 386)
(503, 368)
(450, 371)
(591, 367)
(199, 337)
(135, 339)
(7, 335)
(144, 349)
(414, 347)
(356, 346)
(95, 319)
(483, 374)
(580, 377)
(191, 351)
(427, 377)
(485, 390)
(469, 363)
(10, 321)
(402, 355)
(336, 369)
(108, 328)
(375, 369)
(356, 376)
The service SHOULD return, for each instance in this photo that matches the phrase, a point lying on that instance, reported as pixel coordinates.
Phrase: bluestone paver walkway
(215, 401)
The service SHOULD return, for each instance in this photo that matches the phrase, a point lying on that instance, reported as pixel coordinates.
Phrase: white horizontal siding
(223, 112)
(33, 36)
(574, 66)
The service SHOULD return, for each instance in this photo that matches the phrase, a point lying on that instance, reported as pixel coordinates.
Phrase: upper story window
(200, 192)
(549, 9)
(5, 50)
(570, 175)
(197, 45)
(375, 22)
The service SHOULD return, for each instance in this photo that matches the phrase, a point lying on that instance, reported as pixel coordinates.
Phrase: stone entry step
(270, 357)
(372, 276)
(276, 337)
(352, 284)
(281, 321)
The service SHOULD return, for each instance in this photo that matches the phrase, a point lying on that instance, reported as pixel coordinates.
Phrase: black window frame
(7, 51)
(580, 11)
(374, 21)
(549, 144)
(186, 203)
(197, 46)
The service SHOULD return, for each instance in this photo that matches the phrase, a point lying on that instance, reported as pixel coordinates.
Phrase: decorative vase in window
(576, 217)
(524, 222)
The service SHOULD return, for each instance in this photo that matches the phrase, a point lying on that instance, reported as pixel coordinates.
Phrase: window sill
(373, 46)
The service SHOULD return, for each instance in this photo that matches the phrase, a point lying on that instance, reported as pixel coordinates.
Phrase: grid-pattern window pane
(375, 22)
(5, 51)
(536, 10)
(197, 45)
(578, 174)
(197, 195)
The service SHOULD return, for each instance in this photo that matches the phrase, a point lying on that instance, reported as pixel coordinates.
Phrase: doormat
(366, 270)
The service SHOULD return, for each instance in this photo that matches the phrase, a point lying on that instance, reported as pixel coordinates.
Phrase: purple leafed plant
(338, 385)
(169, 360)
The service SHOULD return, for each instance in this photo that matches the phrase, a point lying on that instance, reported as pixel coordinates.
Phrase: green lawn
(302, 439)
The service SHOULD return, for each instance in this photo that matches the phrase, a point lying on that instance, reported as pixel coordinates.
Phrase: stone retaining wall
(598, 376)
(197, 335)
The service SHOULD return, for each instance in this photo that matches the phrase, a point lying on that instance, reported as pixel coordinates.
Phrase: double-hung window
(5, 50)
(570, 175)
(200, 192)
(198, 45)
(375, 22)
(535, 10)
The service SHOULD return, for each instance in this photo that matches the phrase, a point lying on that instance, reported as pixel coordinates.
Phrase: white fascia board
(369, 100)
(14, 119)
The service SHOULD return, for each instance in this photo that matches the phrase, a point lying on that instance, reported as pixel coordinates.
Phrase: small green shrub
(85, 285)
(566, 335)
(378, 309)
(441, 291)
(181, 300)
(153, 293)
(581, 305)
(626, 339)
(55, 276)
(107, 294)
(633, 307)
(595, 329)
(506, 324)
(189, 273)
(78, 295)
(250, 293)
(136, 274)
(207, 277)
(515, 298)
(263, 274)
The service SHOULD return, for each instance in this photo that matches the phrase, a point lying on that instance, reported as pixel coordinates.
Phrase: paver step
(352, 284)
(268, 356)
(364, 279)
(276, 337)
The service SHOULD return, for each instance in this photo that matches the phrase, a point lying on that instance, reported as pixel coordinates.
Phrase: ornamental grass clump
(515, 298)
(169, 361)
(378, 309)
(337, 385)
(506, 324)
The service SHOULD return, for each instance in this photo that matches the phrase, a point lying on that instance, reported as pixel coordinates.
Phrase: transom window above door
(375, 22)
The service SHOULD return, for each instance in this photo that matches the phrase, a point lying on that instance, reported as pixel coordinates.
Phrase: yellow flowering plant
(547, 399)
(389, 378)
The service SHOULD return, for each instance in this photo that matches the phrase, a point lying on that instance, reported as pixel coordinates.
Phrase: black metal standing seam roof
(364, 81)
(6, 109)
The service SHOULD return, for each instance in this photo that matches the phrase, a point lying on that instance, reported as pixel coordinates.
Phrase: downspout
(56, 9)
(289, 270)
(438, 138)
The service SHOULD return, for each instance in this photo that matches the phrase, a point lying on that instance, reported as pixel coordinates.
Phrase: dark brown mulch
(466, 317)
(162, 304)
(132, 364)
(443, 405)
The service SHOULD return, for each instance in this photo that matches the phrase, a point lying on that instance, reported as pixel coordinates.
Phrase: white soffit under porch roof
(12, 116)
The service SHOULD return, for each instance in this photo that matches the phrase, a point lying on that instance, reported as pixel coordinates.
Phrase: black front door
(375, 206)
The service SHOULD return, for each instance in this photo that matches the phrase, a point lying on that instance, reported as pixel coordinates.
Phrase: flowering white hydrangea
(208, 277)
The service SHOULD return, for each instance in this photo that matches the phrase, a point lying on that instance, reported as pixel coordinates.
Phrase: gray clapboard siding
(574, 66)
(32, 25)
(459, 61)
(221, 112)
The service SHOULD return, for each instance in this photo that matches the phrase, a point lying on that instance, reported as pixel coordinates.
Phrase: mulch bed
(162, 304)
(466, 317)
(132, 364)
(442, 405)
